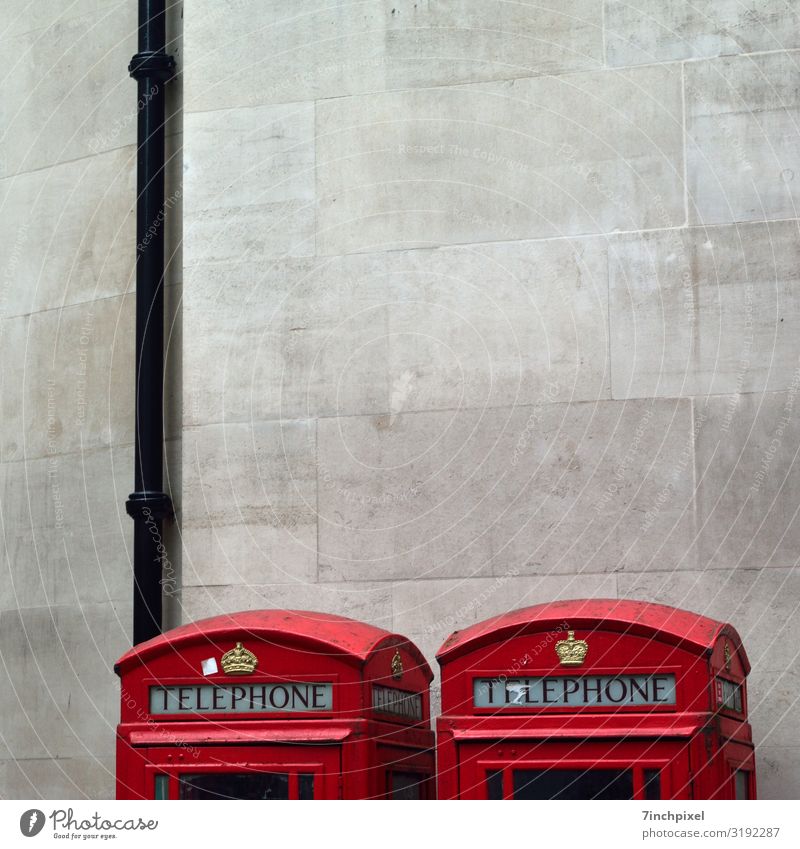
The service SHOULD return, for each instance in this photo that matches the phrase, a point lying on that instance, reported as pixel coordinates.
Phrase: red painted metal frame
(701, 742)
(291, 646)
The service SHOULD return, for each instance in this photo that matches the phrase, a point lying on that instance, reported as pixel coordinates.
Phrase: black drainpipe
(151, 67)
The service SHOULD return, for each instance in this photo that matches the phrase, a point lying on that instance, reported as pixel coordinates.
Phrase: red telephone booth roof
(322, 632)
(668, 624)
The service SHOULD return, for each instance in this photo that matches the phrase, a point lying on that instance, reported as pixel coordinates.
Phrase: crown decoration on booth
(397, 666)
(571, 652)
(239, 661)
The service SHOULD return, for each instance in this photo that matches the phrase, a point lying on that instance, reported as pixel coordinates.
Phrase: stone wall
(486, 304)
(490, 304)
(67, 197)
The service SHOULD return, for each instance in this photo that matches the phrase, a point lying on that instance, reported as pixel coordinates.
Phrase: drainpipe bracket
(155, 64)
(149, 505)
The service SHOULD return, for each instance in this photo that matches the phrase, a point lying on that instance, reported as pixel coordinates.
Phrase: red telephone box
(601, 698)
(275, 704)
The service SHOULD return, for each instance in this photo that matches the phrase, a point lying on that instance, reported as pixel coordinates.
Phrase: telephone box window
(652, 784)
(742, 784)
(573, 784)
(494, 784)
(235, 785)
(162, 787)
(305, 785)
(406, 785)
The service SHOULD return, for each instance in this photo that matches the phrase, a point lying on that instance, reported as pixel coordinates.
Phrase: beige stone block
(75, 494)
(367, 602)
(58, 778)
(554, 488)
(70, 375)
(247, 53)
(69, 232)
(316, 345)
(432, 610)
(249, 183)
(258, 474)
(387, 333)
(664, 30)
(250, 554)
(22, 16)
(538, 157)
(59, 696)
(704, 310)
(65, 567)
(778, 772)
(71, 95)
(741, 121)
(760, 603)
(747, 496)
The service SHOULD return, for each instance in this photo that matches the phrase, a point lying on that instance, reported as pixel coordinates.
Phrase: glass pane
(406, 785)
(652, 784)
(235, 785)
(162, 787)
(305, 785)
(494, 784)
(573, 784)
(742, 784)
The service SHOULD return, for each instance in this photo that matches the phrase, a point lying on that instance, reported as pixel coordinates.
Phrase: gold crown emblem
(239, 661)
(397, 665)
(571, 652)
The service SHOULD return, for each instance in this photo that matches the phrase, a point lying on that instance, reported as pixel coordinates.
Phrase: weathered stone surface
(481, 326)
(778, 772)
(58, 778)
(432, 610)
(257, 474)
(78, 493)
(704, 310)
(538, 157)
(556, 488)
(69, 233)
(746, 467)
(59, 696)
(250, 554)
(663, 30)
(251, 52)
(71, 96)
(368, 602)
(70, 375)
(742, 114)
(22, 16)
(249, 183)
(760, 603)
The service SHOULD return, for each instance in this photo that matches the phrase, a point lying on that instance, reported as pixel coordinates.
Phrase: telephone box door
(579, 770)
(237, 772)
